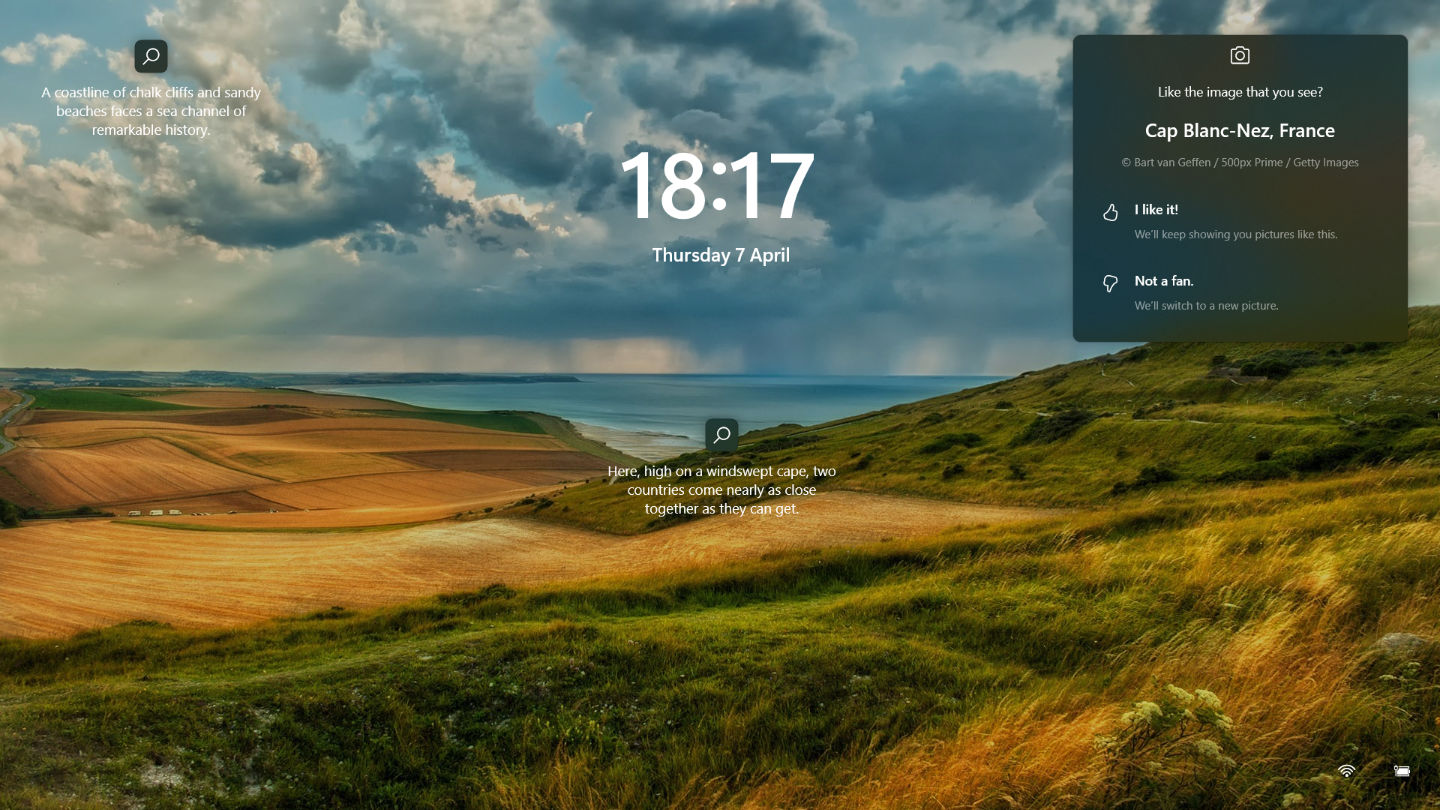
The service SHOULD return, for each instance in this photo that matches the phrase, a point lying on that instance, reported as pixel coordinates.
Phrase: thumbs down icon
(1109, 282)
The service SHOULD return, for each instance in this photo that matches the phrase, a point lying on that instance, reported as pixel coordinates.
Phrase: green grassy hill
(1117, 426)
(1207, 641)
(98, 399)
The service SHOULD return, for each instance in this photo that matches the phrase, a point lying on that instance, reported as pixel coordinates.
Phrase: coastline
(658, 416)
(647, 445)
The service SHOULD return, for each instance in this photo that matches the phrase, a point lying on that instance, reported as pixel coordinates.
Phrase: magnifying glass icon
(722, 435)
(151, 55)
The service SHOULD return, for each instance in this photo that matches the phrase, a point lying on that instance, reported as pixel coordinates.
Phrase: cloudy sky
(435, 185)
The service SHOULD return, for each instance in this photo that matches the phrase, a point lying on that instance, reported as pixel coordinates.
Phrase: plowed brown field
(503, 460)
(119, 471)
(295, 451)
(58, 578)
(418, 488)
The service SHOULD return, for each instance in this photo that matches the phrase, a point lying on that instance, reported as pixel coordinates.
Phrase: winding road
(25, 401)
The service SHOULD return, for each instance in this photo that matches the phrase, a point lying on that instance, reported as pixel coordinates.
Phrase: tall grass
(979, 668)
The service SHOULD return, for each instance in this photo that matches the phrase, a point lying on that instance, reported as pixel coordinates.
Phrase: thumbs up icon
(1110, 214)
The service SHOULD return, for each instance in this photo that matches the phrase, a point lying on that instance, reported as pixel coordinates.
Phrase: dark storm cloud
(1012, 16)
(1055, 203)
(279, 168)
(1034, 14)
(1186, 16)
(996, 135)
(1004, 14)
(1109, 23)
(938, 130)
(842, 195)
(1054, 17)
(593, 180)
(840, 192)
(329, 62)
(785, 34)
(349, 196)
(506, 133)
(626, 192)
(506, 219)
(1351, 16)
(332, 66)
(1065, 92)
(666, 96)
(496, 116)
(406, 119)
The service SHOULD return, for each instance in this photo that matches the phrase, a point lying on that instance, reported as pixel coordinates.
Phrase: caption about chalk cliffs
(151, 111)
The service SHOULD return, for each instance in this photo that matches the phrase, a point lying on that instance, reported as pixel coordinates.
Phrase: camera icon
(1239, 55)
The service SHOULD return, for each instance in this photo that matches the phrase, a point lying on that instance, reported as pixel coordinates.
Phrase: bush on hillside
(498, 590)
(1393, 423)
(1278, 364)
(1053, 428)
(1375, 447)
(950, 440)
(9, 515)
(1148, 477)
(1325, 458)
(1157, 407)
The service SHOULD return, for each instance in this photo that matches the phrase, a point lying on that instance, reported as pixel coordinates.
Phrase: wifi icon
(1347, 770)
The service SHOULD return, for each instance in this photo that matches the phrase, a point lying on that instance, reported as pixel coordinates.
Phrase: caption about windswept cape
(732, 490)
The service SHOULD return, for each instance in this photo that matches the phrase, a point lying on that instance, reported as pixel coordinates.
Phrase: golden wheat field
(64, 576)
(255, 452)
(261, 511)
(415, 488)
(120, 471)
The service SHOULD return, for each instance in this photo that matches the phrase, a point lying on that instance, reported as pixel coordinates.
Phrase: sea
(655, 416)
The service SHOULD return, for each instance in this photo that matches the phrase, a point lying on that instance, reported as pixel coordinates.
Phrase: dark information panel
(1240, 188)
